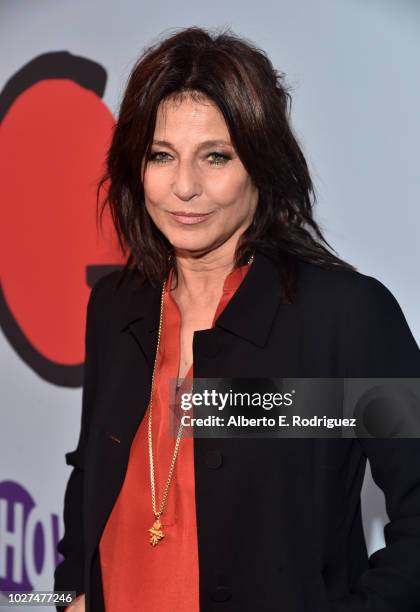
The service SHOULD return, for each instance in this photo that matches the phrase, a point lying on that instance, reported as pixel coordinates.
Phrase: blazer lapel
(251, 310)
(141, 319)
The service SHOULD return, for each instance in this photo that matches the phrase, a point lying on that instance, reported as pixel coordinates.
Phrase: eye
(157, 158)
(161, 157)
(218, 158)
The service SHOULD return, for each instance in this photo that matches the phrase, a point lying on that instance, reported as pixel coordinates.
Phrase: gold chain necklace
(156, 532)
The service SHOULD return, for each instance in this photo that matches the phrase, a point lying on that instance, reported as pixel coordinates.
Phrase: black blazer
(279, 520)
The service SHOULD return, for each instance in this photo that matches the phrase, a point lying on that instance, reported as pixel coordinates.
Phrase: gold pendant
(157, 533)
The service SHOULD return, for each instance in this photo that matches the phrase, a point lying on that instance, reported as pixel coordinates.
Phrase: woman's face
(197, 190)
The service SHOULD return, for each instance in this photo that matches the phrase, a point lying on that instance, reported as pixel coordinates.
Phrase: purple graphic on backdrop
(25, 537)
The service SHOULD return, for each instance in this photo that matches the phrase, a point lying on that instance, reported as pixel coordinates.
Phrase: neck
(201, 277)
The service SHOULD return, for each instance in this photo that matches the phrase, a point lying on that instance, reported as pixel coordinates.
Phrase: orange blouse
(136, 574)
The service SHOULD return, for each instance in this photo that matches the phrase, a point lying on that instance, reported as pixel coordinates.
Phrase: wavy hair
(256, 104)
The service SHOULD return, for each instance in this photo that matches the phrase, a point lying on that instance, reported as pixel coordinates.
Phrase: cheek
(154, 187)
(228, 189)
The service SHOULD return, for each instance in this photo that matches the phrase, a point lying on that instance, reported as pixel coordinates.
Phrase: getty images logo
(28, 540)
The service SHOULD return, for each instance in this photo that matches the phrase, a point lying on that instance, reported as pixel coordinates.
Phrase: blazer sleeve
(68, 574)
(381, 345)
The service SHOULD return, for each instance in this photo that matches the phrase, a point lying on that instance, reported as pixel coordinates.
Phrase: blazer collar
(252, 308)
(249, 313)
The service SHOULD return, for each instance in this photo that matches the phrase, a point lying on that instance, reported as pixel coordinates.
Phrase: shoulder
(118, 282)
(366, 316)
(111, 296)
(345, 291)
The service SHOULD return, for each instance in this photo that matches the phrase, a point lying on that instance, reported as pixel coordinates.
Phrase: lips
(189, 218)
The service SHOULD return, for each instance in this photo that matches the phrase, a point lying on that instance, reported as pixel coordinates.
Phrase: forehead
(189, 115)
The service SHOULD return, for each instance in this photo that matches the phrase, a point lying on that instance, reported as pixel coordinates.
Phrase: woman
(228, 276)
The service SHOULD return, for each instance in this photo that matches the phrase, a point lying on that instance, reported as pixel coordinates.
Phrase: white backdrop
(353, 67)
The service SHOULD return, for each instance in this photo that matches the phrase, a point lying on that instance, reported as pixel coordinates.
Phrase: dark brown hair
(255, 102)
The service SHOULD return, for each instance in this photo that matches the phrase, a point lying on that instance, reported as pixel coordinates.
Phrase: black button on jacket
(279, 520)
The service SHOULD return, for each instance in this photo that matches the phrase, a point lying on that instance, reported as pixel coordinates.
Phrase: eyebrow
(206, 143)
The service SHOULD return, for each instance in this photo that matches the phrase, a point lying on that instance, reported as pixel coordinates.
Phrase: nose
(186, 184)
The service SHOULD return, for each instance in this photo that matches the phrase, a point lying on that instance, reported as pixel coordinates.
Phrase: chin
(192, 240)
(192, 246)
